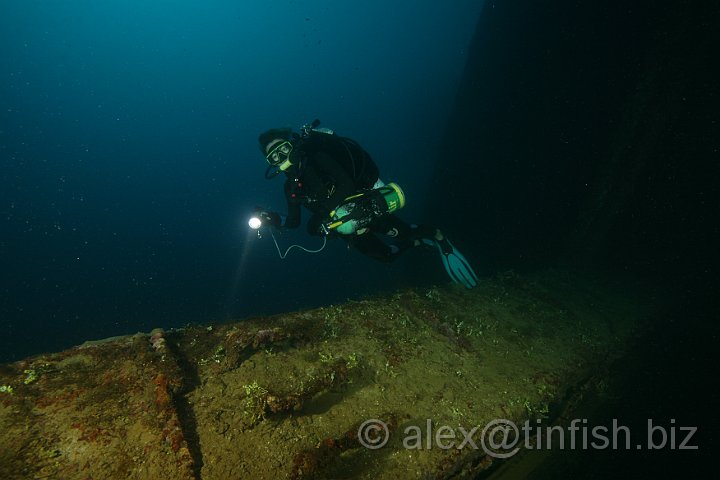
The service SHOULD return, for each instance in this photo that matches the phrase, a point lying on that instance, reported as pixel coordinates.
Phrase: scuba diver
(338, 182)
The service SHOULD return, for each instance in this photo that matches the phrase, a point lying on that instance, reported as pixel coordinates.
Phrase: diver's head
(278, 153)
(277, 148)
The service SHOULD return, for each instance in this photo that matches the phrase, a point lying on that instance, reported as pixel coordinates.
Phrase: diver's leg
(403, 233)
(370, 245)
(409, 236)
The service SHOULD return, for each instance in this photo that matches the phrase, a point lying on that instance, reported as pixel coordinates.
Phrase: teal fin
(455, 263)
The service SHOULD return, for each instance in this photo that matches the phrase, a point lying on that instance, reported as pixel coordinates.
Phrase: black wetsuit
(320, 179)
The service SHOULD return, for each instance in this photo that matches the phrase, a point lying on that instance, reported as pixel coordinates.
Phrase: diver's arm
(293, 217)
(270, 218)
(293, 207)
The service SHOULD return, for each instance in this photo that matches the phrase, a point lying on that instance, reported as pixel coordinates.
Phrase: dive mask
(279, 156)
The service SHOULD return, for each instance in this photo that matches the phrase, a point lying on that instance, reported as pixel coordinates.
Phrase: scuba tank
(358, 211)
(353, 158)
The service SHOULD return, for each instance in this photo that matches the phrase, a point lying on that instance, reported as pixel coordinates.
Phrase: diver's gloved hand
(269, 219)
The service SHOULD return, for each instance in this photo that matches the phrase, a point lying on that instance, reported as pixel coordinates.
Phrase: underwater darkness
(130, 165)
(588, 136)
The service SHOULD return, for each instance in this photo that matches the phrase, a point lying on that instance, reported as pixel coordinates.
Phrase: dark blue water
(129, 160)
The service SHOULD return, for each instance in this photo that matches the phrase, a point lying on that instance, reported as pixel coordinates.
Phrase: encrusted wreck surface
(284, 396)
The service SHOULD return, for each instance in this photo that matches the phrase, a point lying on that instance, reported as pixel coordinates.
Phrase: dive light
(263, 218)
(255, 222)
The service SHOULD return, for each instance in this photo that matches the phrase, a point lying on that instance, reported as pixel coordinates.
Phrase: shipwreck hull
(419, 373)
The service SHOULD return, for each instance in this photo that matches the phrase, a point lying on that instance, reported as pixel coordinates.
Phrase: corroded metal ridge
(285, 396)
